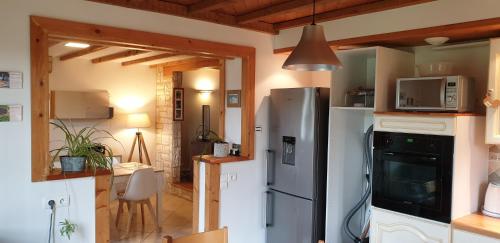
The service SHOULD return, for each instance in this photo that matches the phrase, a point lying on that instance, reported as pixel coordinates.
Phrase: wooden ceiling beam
(188, 64)
(148, 59)
(273, 10)
(349, 12)
(183, 11)
(459, 32)
(53, 43)
(207, 5)
(142, 48)
(81, 52)
(117, 55)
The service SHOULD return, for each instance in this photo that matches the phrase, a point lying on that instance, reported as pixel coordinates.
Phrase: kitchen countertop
(479, 224)
(219, 160)
(424, 114)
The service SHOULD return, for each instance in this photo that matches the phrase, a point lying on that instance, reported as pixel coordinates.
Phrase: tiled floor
(176, 221)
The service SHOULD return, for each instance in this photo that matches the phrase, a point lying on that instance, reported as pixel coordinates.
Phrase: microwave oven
(445, 93)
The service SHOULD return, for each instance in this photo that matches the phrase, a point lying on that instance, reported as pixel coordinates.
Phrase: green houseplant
(67, 228)
(82, 148)
(209, 138)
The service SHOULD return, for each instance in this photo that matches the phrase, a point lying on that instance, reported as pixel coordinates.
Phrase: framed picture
(11, 80)
(233, 98)
(178, 105)
(9, 113)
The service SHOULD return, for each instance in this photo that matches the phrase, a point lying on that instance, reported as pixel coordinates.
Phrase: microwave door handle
(443, 93)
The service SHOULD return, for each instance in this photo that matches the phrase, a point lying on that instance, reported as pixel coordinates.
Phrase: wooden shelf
(479, 224)
(420, 113)
(58, 175)
(219, 160)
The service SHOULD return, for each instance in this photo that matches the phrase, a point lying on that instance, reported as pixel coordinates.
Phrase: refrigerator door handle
(269, 208)
(270, 167)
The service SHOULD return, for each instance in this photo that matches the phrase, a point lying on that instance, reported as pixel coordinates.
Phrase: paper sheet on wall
(11, 80)
(9, 113)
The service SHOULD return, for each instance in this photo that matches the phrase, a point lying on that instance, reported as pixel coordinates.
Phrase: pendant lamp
(313, 52)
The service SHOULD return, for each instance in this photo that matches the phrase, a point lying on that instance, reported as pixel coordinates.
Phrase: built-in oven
(412, 174)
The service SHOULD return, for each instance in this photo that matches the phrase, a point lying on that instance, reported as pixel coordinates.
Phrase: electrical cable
(52, 204)
(369, 164)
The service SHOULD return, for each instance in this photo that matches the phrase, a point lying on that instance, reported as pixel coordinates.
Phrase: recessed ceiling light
(77, 45)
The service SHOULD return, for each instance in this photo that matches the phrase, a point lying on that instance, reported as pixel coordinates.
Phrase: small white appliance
(492, 200)
(441, 94)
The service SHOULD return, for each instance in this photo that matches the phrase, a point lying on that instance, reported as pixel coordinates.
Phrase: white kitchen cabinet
(493, 113)
(392, 227)
(460, 236)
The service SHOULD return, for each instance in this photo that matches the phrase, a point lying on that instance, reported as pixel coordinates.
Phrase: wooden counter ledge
(219, 160)
(57, 174)
(479, 224)
(429, 114)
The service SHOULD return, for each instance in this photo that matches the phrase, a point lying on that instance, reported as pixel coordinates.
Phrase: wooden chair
(216, 236)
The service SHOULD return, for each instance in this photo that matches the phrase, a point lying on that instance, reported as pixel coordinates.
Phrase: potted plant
(212, 140)
(82, 149)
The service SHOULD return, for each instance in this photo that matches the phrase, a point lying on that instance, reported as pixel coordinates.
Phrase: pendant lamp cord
(314, 12)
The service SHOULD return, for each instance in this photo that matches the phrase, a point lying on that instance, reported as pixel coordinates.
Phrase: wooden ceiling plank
(349, 12)
(207, 5)
(117, 55)
(81, 52)
(183, 11)
(272, 10)
(148, 59)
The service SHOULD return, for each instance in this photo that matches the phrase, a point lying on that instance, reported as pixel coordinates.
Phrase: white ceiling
(59, 50)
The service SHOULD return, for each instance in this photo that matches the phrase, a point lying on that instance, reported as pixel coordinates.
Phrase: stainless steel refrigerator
(296, 165)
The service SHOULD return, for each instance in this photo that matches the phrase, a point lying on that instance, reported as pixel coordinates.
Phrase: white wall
(131, 89)
(27, 222)
(429, 14)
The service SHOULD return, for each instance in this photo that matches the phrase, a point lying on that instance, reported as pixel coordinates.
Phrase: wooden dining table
(122, 173)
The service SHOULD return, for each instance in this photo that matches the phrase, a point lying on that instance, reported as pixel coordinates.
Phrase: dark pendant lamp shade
(313, 52)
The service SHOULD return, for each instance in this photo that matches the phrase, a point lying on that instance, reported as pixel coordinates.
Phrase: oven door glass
(413, 184)
(422, 93)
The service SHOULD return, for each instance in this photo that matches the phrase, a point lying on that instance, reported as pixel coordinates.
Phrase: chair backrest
(141, 185)
(216, 236)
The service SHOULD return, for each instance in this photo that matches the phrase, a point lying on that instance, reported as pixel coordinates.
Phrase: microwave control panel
(451, 94)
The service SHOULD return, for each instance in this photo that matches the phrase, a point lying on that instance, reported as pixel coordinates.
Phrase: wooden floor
(176, 222)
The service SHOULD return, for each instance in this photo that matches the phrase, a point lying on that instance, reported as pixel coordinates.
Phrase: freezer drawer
(289, 219)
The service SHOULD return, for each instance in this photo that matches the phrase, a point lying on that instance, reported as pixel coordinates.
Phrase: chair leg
(132, 206)
(153, 214)
(142, 215)
(119, 212)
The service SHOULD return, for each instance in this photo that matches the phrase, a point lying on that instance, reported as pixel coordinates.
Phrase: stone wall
(168, 132)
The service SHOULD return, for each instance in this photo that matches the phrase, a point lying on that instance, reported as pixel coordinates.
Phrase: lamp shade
(313, 52)
(138, 120)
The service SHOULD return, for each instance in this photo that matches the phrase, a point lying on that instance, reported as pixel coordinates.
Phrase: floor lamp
(139, 120)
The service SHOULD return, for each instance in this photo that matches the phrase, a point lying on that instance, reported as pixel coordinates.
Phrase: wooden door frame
(43, 28)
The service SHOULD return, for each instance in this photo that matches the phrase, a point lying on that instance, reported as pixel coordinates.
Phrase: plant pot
(72, 164)
(221, 149)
